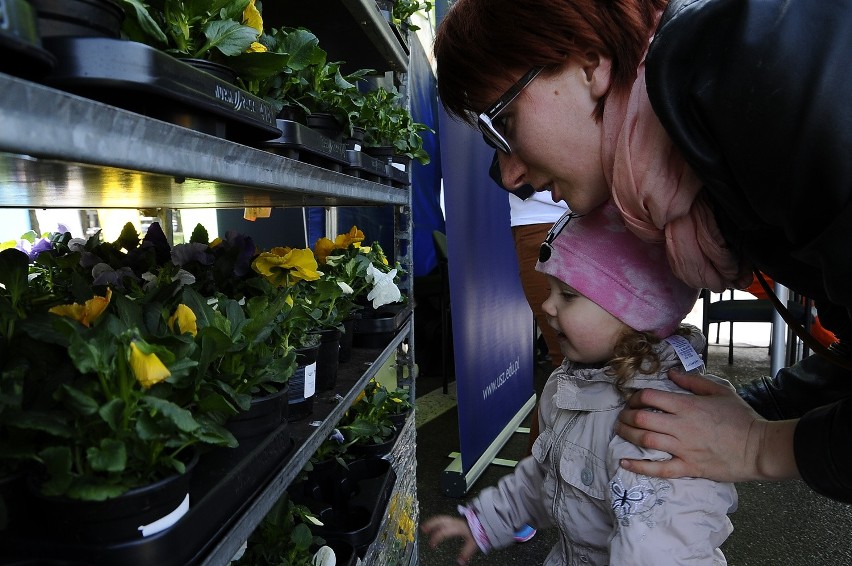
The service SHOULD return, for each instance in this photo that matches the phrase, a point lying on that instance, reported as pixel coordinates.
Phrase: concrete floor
(777, 524)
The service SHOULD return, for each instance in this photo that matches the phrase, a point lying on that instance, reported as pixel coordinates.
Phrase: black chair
(749, 310)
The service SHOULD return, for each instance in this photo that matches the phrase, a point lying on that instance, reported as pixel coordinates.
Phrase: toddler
(617, 309)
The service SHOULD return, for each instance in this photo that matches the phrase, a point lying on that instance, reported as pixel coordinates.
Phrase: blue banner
(492, 322)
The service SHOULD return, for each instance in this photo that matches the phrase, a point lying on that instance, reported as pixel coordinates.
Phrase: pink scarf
(660, 196)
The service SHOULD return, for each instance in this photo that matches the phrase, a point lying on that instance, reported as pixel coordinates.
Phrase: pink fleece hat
(599, 257)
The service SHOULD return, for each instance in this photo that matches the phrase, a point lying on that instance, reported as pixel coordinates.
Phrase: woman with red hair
(719, 127)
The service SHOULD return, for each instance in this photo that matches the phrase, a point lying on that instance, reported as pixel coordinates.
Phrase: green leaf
(129, 238)
(301, 536)
(110, 456)
(229, 37)
(199, 235)
(50, 423)
(181, 418)
(57, 463)
(304, 50)
(78, 401)
(14, 266)
(144, 19)
(112, 412)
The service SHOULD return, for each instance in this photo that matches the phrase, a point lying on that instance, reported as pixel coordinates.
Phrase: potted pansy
(284, 537)
(362, 272)
(391, 132)
(106, 405)
(208, 31)
(367, 425)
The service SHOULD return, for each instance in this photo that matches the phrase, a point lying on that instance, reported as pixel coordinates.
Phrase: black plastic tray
(361, 495)
(139, 78)
(298, 141)
(398, 178)
(223, 484)
(366, 166)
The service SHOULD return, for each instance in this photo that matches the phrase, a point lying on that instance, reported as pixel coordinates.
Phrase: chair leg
(731, 344)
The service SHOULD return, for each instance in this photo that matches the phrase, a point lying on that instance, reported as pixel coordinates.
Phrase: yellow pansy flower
(256, 47)
(323, 248)
(185, 319)
(354, 236)
(86, 313)
(147, 368)
(286, 265)
(252, 17)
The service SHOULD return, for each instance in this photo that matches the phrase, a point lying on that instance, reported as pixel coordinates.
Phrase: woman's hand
(442, 527)
(713, 434)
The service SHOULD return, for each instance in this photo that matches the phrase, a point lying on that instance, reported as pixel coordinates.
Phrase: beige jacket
(604, 514)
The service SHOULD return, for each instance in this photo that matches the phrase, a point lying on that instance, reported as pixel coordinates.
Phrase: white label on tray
(164, 523)
(310, 380)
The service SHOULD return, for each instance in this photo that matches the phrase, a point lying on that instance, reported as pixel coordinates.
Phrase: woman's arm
(713, 434)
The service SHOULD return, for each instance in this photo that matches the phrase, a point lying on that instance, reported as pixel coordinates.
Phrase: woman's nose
(512, 170)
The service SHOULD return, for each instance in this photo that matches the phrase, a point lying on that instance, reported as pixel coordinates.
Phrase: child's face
(587, 333)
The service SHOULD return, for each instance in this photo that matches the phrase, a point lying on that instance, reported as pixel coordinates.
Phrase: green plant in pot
(104, 406)
(404, 9)
(368, 419)
(276, 74)
(389, 124)
(325, 90)
(215, 30)
(284, 538)
(363, 271)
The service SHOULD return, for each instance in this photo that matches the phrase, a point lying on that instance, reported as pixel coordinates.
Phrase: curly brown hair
(634, 353)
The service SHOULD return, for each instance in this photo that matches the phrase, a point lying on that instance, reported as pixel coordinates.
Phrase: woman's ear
(598, 72)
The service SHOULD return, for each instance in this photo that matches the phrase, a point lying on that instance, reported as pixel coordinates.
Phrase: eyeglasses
(485, 120)
(546, 249)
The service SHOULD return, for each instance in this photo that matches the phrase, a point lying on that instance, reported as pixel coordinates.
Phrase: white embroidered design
(636, 501)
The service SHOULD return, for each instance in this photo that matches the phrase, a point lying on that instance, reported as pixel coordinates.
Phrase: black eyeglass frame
(546, 249)
(485, 120)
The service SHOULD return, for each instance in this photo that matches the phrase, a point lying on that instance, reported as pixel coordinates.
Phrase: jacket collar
(583, 388)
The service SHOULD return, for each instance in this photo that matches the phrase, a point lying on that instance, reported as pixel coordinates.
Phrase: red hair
(481, 45)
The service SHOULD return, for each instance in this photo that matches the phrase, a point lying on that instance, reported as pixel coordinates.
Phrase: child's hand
(443, 527)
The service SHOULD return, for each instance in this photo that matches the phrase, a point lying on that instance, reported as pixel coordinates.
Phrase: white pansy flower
(347, 290)
(324, 557)
(384, 289)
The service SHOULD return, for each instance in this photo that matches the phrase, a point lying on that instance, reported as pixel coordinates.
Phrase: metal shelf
(61, 150)
(356, 33)
(245, 524)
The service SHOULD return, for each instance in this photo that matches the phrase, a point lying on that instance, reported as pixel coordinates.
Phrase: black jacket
(757, 94)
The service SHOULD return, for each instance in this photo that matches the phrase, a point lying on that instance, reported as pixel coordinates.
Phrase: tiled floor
(777, 524)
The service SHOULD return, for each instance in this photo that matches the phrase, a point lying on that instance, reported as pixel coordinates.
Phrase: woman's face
(555, 140)
(586, 332)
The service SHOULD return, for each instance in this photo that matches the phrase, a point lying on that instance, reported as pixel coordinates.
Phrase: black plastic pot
(345, 353)
(293, 113)
(266, 413)
(218, 70)
(326, 124)
(111, 520)
(328, 358)
(303, 384)
(21, 52)
(79, 18)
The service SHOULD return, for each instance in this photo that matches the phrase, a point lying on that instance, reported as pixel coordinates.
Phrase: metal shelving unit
(60, 150)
